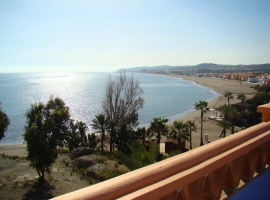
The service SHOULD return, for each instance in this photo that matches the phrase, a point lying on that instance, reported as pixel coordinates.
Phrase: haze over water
(84, 93)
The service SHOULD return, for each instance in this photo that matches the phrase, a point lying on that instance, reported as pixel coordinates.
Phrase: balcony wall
(265, 110)
(213, 171)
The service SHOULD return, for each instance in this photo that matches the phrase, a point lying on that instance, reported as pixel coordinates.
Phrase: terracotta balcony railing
(213, 171)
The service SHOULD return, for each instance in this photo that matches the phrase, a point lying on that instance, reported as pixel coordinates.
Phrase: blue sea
(84, 93)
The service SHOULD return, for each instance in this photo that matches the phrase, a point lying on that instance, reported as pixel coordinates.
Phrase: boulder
(26, 177)
(94, 171)
(83, 161)
(75, 153)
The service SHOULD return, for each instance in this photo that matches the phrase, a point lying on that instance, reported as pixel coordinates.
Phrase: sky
(100, 36)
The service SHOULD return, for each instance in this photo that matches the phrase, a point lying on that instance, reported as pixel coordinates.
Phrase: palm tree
(179, 131)
(242, 97)
(234, 116)
(159, 128)
(100, 124)
(225, 109)
(149, 135)
(202, 106)
(191, 126)
(224, 124)
(229, 95)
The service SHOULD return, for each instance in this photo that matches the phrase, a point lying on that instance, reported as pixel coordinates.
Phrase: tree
(122, 101)
(261, 98)
(202, 106)
(225, 125)
(179, 131)
(76, 134)
(100, 124)
(242, 97)
(4, 122)
(234, 115)
(229, 95)
(159, 128)
(92, 140)
(46, 126)
(150, 135)
(142, 134)
(145, 135)
(72, 137)
(225, 109)
(191, 126)
(82, 131)
(240, 79)
(124, 136)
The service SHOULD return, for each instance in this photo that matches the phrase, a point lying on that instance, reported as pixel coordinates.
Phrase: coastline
(220, 86)
(210, 127)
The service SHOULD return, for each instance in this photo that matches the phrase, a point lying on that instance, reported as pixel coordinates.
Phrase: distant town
(258, 74)
(252, 77)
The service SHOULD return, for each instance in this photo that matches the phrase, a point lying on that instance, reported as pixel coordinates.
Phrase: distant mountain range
(205, 67)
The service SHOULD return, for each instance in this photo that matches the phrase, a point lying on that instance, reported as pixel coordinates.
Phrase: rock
(26, 177)
(93, 171)
(75, 153)
(84, 161)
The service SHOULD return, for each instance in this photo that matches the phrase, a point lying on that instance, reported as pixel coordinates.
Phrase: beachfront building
(259, 78)
(214, 171)
(253, 79)
(264, 79)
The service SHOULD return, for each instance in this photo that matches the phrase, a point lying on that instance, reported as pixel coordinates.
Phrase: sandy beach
(209, 127)
(221, 86)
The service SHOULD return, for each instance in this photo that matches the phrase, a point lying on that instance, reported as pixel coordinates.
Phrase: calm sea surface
(83, 93)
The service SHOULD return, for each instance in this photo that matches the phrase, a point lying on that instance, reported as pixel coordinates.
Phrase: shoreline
(210, 127)
(219, 86)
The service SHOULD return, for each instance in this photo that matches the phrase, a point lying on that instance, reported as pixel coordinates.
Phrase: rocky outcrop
(75, 153)
(84, 161)
(94, 171)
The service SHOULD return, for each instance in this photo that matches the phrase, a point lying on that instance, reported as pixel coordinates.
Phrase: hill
(205, 67)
